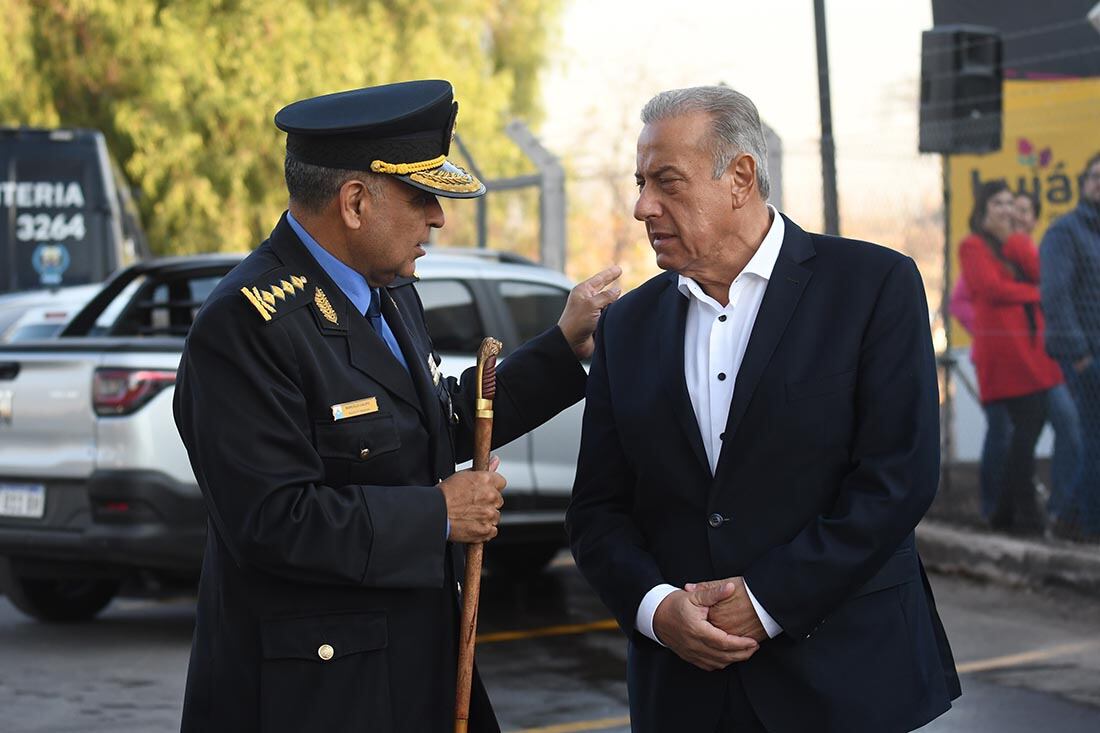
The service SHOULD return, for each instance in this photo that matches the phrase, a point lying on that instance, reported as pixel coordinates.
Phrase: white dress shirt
(715, 339)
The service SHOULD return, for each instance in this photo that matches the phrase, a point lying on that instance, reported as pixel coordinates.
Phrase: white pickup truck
(95, 486)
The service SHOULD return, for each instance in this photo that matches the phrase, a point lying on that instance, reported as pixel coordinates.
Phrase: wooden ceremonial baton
(471, 586)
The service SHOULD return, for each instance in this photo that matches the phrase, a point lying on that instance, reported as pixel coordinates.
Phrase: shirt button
(721, 376)
(715, 520)
(722, 319)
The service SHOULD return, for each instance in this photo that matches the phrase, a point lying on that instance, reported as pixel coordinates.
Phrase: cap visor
(447, 180)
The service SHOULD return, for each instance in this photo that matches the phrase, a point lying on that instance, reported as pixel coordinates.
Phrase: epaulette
(278, 292)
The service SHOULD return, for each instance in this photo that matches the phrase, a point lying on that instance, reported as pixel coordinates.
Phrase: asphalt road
(552, 660)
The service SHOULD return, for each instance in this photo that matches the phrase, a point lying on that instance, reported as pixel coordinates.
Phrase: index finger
(715, 638)
(604, 277)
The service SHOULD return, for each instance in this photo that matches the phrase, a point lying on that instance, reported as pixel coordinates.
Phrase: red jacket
(1007, 349)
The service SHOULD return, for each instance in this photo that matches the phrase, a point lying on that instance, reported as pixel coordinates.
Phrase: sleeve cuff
(770, 626)
(406, 548)
(644, 619)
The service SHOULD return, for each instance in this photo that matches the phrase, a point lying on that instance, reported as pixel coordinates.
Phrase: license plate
(27, 501)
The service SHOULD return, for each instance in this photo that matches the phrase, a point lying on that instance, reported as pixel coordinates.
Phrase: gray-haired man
(760, 439)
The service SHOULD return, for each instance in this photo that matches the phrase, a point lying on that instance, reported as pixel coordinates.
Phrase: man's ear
(742, 176)
(355, 203)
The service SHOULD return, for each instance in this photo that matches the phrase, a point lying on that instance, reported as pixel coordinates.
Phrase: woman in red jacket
(1001, 268)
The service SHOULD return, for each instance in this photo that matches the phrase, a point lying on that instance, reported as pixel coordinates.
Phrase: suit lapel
(671, 321)
(366, 350)
(372, 356)
(785, 287)
(422, 381)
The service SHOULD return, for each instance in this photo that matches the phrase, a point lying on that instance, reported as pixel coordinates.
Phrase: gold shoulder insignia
(267, 300)
(321, 300)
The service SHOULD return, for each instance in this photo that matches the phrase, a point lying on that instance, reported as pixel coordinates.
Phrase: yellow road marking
(581, 725)
(981, 665)
(605, 625)
(1014, 660)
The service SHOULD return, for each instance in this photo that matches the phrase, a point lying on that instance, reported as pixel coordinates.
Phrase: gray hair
(313, 186)
(735, 126)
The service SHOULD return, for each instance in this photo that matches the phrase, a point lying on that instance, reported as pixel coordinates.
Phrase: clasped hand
(711, 624)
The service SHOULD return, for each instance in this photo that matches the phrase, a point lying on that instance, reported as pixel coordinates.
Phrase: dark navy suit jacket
(830, 458)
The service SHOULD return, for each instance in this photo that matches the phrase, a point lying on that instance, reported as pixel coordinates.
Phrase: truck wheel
(521, 560)
(57, 600)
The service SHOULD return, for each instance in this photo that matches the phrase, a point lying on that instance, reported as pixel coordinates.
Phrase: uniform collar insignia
(324, 306)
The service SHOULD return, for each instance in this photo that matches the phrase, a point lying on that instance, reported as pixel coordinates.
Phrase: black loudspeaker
(960, 90)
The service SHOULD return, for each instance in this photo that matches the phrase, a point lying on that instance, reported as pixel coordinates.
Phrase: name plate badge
(351, 409)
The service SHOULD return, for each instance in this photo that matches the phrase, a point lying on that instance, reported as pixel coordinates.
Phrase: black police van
(66, 214)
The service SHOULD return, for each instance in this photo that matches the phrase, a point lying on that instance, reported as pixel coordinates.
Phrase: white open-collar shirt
(715, 339)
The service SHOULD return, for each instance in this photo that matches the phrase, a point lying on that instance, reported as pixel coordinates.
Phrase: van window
(451, 316)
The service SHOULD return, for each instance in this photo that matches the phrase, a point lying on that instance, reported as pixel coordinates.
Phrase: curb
(1009, 560)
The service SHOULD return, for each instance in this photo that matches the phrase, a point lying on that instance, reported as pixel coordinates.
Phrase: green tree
(185, 92)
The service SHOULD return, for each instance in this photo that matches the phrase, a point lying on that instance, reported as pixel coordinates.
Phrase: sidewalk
(1035, 564)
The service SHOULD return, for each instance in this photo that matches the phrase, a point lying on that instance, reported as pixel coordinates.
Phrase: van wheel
(521, 560)
(57, 600)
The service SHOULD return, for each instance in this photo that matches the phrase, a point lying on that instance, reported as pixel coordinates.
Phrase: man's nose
(436, 217)
(645, 207)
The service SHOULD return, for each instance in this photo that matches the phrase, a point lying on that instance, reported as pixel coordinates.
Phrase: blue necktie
(374, 311)
(374, 317)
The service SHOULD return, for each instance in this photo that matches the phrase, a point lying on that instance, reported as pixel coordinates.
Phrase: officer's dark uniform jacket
(328, 597)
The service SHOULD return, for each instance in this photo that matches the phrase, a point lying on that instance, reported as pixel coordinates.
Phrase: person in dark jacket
(1065, 460)
(760, 439)
(1070, 285)
(324, 438)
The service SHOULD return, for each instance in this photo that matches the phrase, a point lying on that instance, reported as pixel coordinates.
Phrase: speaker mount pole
(947, 437)
(828, 150)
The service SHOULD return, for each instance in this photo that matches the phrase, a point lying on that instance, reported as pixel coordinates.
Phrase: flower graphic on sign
(1026, 155)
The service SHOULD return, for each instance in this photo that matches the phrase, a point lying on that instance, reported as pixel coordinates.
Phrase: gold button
(325, 652)
(364, 453)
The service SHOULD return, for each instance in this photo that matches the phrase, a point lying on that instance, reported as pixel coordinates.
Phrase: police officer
(324, 438)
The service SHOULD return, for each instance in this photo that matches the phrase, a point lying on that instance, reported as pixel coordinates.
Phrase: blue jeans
(1082, 505)
(1065, 467)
